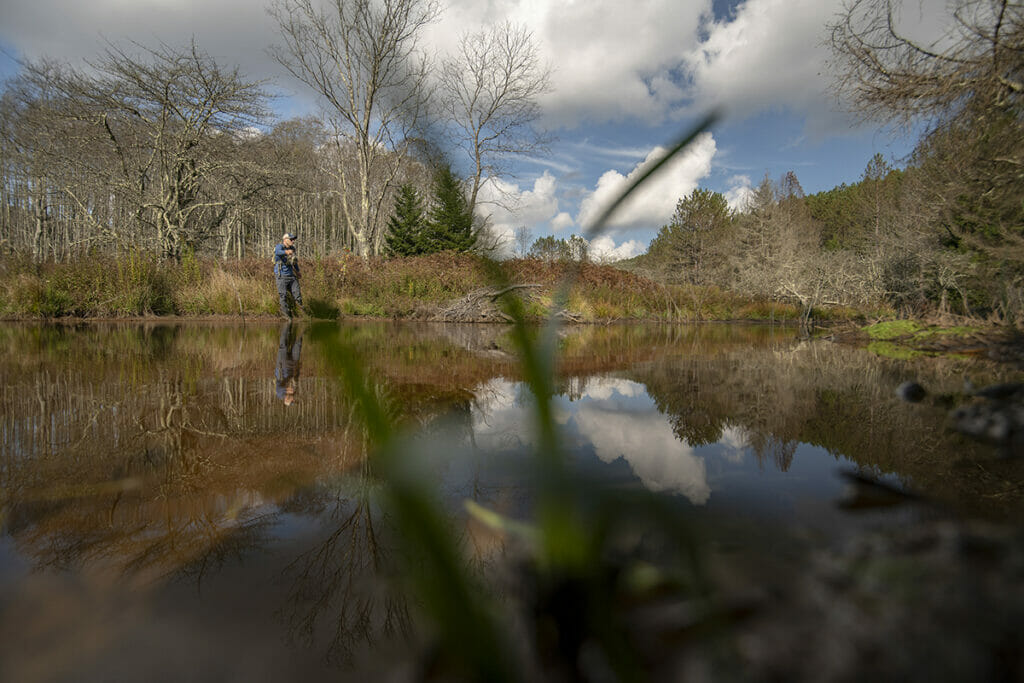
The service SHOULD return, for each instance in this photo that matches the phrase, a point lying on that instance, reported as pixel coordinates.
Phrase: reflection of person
(287, 273)
(287, 371)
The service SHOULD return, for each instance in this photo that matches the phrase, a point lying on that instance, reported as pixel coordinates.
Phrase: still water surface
(195, 502)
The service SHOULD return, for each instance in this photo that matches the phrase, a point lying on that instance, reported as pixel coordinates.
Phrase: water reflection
(162, 452)
(180, 418)
(337, 585)
(608, 417)
(289, 352)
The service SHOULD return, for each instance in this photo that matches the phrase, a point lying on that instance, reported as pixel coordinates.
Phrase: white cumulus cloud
(734, 442)
(603, 249)
(614, 60)
(232, 31)
(645, 441)
(611, 60)
(653, 203)
(774, 54)
(603, 388)
(510, 206)
(563, 221)
(739, 192)
(612, 417)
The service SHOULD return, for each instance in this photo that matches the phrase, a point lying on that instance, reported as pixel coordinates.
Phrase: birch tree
(362, 58)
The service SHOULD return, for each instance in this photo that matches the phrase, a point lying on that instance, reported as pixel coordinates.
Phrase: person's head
(288, 239)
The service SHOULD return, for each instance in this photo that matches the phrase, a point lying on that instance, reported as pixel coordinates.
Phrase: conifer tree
(450, 223)
(407, 225)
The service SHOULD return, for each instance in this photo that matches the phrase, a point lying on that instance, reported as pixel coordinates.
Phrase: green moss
(363, 308)
(888, 349)
(932, 332)
(892, 329)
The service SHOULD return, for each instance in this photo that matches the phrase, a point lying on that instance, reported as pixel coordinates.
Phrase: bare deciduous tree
(361, 57)
(489, 93)
(174, 118)
(887, 75)
(523, 239)
(968, 168)
(156, 135)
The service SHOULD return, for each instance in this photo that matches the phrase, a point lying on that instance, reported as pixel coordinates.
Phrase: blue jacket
(282, 266)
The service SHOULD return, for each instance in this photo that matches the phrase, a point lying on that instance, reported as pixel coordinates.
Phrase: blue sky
(627, 75)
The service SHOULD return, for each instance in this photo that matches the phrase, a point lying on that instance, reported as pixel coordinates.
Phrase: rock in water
(911, 391)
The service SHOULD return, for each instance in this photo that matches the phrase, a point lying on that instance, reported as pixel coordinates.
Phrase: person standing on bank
(287, 274)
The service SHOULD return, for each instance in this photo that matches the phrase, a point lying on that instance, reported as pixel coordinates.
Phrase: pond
(196, 501)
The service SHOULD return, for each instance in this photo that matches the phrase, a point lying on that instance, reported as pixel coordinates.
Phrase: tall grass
(137, 284)
(580, 567)
(133, 284)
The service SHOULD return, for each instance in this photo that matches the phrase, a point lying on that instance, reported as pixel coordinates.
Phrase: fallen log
(481, 305)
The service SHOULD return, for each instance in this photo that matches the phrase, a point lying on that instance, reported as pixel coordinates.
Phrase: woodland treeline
(944, 233)
(165, 151)
(163, 154)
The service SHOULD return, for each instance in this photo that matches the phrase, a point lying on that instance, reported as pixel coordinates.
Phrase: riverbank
(904, 339)
(434, 287)
(448, 287)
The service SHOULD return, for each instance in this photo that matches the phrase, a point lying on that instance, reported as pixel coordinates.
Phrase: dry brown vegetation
(414, 288)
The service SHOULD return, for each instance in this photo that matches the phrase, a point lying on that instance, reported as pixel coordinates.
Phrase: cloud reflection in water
(613, 417)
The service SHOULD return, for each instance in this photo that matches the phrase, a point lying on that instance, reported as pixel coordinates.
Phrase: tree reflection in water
(342, 581)
(164, 451)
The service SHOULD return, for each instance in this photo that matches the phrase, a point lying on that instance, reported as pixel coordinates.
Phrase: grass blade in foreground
(576, 521)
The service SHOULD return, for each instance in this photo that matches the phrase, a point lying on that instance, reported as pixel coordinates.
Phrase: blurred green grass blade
(576, 518)
(498, 522)
(454, 601)
(565, 540)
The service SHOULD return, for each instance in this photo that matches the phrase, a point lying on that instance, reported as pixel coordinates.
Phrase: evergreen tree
(450, 223)
(550, 249)
(579, 248)
(407, 225)
(696, 242)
